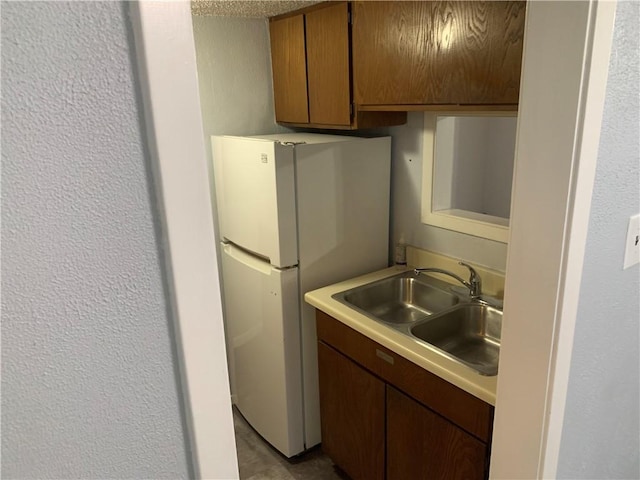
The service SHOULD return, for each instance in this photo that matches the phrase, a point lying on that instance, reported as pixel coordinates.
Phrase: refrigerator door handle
(249, 260)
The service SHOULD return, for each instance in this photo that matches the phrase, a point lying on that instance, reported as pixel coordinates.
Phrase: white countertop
(463, 377)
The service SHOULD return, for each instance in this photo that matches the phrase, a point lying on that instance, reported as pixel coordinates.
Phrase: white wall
(468, 163)
(234, 76)
(407, 153)
(234, 69)
(476, 156)
(498, 175)
(601, 431)
(89, 384)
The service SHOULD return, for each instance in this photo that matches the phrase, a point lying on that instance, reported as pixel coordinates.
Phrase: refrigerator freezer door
(255, 193)
(263, 335)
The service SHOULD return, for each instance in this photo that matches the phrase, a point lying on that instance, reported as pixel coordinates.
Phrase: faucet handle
(474, 275)
(474, 279)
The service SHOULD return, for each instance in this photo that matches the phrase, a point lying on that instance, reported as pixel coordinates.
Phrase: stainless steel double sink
(435, 314)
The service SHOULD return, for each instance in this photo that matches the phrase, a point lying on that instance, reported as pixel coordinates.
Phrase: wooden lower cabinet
(376, 425)
(423, 445)
(352, 403)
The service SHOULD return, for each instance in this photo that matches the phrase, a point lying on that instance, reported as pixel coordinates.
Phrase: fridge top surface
(308, 138)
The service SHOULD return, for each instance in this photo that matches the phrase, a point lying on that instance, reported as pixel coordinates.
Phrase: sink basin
(435, 315)
(469, 333)
(404, 298)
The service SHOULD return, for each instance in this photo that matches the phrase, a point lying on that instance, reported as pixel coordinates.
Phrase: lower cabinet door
(352, 411)
(423, 445)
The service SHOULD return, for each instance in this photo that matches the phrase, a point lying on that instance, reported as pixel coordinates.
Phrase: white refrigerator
(296, 211)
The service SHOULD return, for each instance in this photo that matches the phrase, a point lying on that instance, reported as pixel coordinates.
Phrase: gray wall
(601, 431)
(88, 378)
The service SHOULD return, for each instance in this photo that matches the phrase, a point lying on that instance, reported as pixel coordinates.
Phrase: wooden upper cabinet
(327, 35)
(311, 63)
(289, 69)
(437, 52)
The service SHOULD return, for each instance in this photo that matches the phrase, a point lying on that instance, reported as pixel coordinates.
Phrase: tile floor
(257, 460)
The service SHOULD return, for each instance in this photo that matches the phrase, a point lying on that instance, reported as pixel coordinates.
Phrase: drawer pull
(384, 356)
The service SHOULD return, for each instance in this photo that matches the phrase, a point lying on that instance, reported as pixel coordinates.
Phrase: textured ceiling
(246, 8)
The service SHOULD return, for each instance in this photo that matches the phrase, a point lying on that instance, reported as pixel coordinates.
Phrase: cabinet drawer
(463, 409)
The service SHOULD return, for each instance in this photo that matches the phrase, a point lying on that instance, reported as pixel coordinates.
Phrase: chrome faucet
(474, 284)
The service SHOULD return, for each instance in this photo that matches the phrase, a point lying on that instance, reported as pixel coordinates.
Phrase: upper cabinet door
(328, 65)
(437, 52)
(289, 69)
